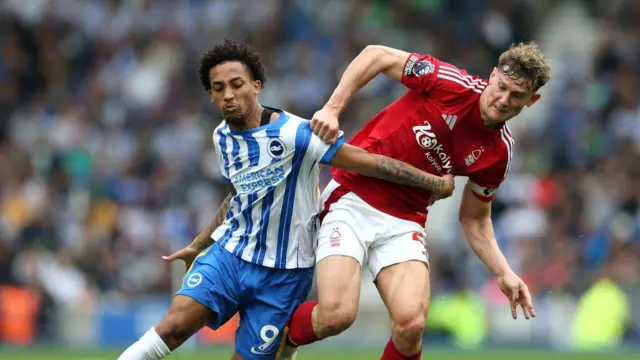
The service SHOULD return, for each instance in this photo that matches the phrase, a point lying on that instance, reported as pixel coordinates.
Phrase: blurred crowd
(105, 134)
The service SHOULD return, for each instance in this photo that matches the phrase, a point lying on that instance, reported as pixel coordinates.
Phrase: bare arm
(475, 218)
(203, 240)
(371, 61)
(355, 159)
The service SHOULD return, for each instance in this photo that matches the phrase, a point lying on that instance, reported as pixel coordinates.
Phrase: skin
(235, 94)
(504, 98)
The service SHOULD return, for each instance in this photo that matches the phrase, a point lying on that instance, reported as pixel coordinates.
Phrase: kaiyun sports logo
(428, 141)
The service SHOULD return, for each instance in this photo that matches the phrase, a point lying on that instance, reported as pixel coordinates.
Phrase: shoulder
(294, 119)
(458, 82)
(503, 153)
(496, 160)
(220, 133)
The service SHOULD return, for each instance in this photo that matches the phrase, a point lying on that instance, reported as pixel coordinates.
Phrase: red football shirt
(436, 126)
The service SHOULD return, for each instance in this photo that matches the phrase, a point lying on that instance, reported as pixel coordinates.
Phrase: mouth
(501, 111)
(230, 108)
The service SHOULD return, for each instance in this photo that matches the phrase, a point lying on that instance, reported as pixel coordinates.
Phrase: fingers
(514, 303)
(334, 138)
(323, 129)
(526, 303)
(172, 257)
(522, 299)
(326, 132)
(169, 258)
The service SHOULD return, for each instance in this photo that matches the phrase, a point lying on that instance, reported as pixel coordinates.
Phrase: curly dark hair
(231, 51)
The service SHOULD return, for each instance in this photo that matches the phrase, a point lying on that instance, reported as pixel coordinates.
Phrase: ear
(533, 100)
(257, 86)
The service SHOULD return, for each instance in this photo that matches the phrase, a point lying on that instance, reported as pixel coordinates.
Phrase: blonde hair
(525, 61)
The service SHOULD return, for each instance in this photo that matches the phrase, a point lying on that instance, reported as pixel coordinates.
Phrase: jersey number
(268, 334)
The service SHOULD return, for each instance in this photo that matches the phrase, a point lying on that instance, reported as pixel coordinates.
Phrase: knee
(409, 325)
(336, 317)
(174, 329)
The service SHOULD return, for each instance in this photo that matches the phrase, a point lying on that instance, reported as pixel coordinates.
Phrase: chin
(498, 117)
(235, 119)
(234, 116)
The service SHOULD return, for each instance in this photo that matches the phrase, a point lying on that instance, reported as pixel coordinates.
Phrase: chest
(451, 139)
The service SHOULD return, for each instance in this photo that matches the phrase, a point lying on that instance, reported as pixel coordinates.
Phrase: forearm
(481, 237)
(402, 173)
(360, 71)
(204, 240)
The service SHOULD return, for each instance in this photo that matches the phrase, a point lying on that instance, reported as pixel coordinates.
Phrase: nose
(504, 100)
(228, 94)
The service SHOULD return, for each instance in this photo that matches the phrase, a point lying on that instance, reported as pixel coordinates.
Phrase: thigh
(264, 316)
(340, 234)
(402, 241)
(340, 255)
(405, 289)
(212, 281)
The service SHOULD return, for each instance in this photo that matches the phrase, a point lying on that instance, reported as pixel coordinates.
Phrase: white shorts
(351, 227)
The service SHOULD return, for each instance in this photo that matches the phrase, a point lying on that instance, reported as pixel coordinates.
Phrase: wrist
(198, 243)
(500, 272)
(334, 108)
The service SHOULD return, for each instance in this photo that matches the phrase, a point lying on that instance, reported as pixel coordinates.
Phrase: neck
(252, 121)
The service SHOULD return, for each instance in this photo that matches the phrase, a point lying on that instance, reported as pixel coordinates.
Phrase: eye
(502, 87)
(237, 84)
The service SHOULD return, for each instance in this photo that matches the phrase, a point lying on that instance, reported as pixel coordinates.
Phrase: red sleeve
(485, 182)
(483, 192)
(420, 71)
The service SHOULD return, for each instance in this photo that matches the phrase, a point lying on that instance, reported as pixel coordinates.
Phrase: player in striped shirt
(449, 122)
(261, 263)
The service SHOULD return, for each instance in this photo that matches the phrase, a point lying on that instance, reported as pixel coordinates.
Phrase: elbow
(468, 221)
(463, 218)
(378, 55)
(467, 218)
(372, 50)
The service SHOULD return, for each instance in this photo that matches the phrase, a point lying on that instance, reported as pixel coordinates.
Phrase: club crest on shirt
(276, 148)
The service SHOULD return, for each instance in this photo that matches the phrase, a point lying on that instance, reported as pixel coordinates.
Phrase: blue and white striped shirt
(274, 168)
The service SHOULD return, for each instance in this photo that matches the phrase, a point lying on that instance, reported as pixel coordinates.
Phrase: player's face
(233, 91)
(505, 97)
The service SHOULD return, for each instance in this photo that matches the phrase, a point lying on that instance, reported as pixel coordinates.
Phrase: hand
(518, 294)
(187, 254)
(446, 189)
(324, 123)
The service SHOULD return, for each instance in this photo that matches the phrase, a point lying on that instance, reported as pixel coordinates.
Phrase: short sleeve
(322, 151)
(223, 171)
(484, 192)
(484, 184)
(219, 145)
(419, 73)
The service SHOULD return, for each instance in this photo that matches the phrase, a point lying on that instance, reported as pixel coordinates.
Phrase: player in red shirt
(449, 122)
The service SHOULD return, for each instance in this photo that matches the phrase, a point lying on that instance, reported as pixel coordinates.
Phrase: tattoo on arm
(204, 240)
(402, 173)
